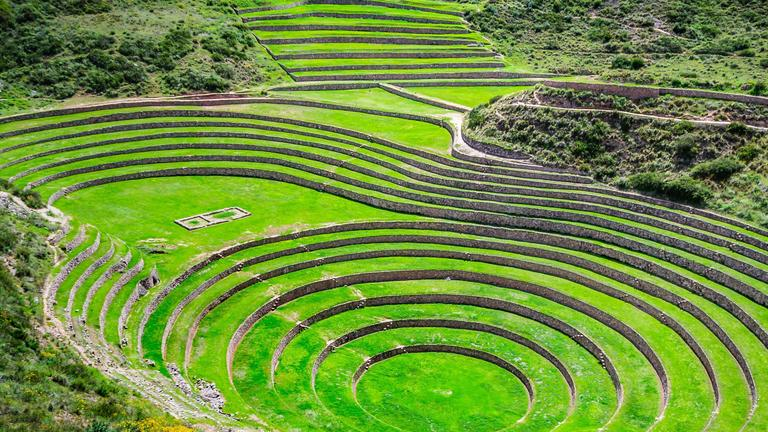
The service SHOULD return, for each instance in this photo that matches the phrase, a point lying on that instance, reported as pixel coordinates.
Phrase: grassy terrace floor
(381, 257)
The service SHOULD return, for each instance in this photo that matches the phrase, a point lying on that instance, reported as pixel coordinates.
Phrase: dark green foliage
(683, 189)
(6, 13)
(686, 146)
(719, 169)
(475, 118)
(31, 198)
(38, 55)
(759, 89)
(724, 46)
(196, 80)
(624, 62)
(690, 43)
(737, 128)
(748, 153)
(672, 159)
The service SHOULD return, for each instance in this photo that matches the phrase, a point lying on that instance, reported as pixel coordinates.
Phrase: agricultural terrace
(359, 266)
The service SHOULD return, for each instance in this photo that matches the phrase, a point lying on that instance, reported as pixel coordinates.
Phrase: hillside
(52, 50)
(44, 385)
(698, 151)
(715, 44)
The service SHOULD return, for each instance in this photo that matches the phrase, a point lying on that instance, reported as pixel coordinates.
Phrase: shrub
(748, 153)
(686, 146)
(759, 89)
(6, 13)
(683, 126)
(764, 63)
(31, 198)
(683, 189)
(8, 239)
(476, 118)
(737, 128)
(719, 169)
(624, 62)
(688, 190)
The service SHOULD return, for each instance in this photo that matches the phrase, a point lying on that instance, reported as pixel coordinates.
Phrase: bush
(737, 128)
(764, 63)
(475, 118)
(748, 153)
(724, 46)
(683, 189)
(6, 13)
(196, 80)
(719, 169)
(624, 62)
(759, 89)
(686, 146)
(8, 239)
(686, 189)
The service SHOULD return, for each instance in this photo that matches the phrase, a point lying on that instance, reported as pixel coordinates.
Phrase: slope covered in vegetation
(697, 43)
(56, 50)
(704, 152)
(44, 386)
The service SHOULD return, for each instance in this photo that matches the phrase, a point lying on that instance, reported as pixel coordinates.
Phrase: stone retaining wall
(115, 268)
(620, 327)
(115, 289)
(366, 16)
(542, 253)
(86, 274)
(575, 245)
(76, 241)
(414, 323)
(479, 206)
(417, 76)
(65, 271)
(386, 55)
(468, 65)
(638, 92)
(425, 154)
(438, 348)
(369, 40)
(444, 323)
(360, 28)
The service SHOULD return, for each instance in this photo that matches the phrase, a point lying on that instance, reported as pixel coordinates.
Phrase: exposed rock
(210, 394)
(150, 281)
(13, 205)
(178, 379)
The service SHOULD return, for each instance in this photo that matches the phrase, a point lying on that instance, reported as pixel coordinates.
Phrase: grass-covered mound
(690, 150)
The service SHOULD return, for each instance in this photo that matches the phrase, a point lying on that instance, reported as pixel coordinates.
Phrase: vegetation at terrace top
(638, 145)
(691, 43)
(45, 386)
(52, 50)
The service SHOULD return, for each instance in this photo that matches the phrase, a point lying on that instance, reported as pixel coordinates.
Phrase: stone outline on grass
(204, 220)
